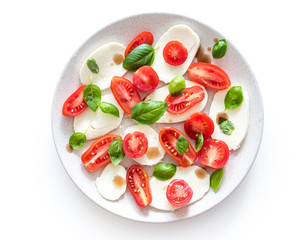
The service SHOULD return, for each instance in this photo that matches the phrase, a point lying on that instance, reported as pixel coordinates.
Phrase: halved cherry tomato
(125, 93)
(75, 103)
(135, 144)
(145, 79)
(209, 75)
(97, 155)
(175, 53)
(180, 104)
(198, 123)
(214, 154)
(142, 38)
(179, 193)
(138, 184)
(168, 138)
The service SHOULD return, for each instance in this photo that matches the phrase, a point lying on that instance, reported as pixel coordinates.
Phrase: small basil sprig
(92, 65)
(177, 86)
(115, 151)
(234, 97)
(199, 142)
(219, 49)
(141, 55)
(215, 179)
(92, 95)
(164, 171)
(226, 126)
(78, 140)
(182, 145)
(109, 108)
(148, 112)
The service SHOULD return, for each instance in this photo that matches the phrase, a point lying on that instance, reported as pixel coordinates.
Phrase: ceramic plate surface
(124, 31)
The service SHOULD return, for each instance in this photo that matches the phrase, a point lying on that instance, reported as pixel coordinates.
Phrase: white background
(38, 199)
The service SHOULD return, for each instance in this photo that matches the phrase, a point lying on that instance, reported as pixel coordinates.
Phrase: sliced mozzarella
(161, 94)
(196, 177)
(112, 182)
(188, 38)
(98, 123)
(109, 59)
(155, 152)
(238, 116)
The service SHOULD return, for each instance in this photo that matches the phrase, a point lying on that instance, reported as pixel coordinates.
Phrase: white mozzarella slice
(155, 152)
(188, 38)
(112, 182)
(238, 116)
(109, 59)
(196, 177)
(161, 94)
(98, 123)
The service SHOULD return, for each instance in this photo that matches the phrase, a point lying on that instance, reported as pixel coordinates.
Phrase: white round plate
(124, 31)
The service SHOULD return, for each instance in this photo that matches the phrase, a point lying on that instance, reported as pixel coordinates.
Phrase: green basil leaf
(77, 140)
(92, 65)
(92, 95)
(219, 49)
(226, 126)
(109, 108)
(199, 142)
(234, 97)
(148, 112)
(142, 55)
(115, 151)
(182, 145)
(164, 171)
(215, 179)
(177, 86)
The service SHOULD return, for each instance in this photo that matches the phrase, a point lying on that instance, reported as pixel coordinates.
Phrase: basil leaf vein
(115, 151)
(109, 108)
(219, 49)
(164, 171)
(199, 142)
(77, 140)
(216, 178)
(182, 145)
(234, 97)
(92, 65)
(92, 95)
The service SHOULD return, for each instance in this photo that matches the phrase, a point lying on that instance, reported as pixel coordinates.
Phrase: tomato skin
(97, 154)
(214, 154)
(142, 38)
(135, 144)
(179, 193)
(180, 104)
(138, 184)
(199, 122)
(209, 75)
(175, 53)
(168, 138)
(74, 104)
(125, 93)
(145, 79)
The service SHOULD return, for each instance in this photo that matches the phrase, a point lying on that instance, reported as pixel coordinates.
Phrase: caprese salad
(157, 89)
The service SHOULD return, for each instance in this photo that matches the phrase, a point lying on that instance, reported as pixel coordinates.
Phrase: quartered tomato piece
(97, 155)
(175, 53)
(125, 93)
(179, 193)
(75, 103)
(138, 184)
(209, 75)
(145, 79)
(198, 123)
(214, 154)
(168, 138)
(142, 38)
(135, 144)
(180, 104)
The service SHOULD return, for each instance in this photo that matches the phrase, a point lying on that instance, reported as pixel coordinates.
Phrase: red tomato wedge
(97, 155)
(175, 53)
(209, 75)
(138, 184)
(214, 154)
(198, 123)
(125, 93)
(145, 79)
(179, 193)
(75, 103)
(135, 144)
(180, 104)
(168, 138)
(142, 38)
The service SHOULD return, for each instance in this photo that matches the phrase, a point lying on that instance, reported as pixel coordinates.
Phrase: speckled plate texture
(124, 31)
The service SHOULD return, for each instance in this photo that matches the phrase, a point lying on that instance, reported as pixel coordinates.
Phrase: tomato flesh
(175, 53)
(135, 144)
(209, 75)
(145, 79)
(125, 93)
(168, 138)
(74, 104)
(214, 154)
(138, 184)
(179, 193)
(180, 104)
(198, 123)
(142, 38)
